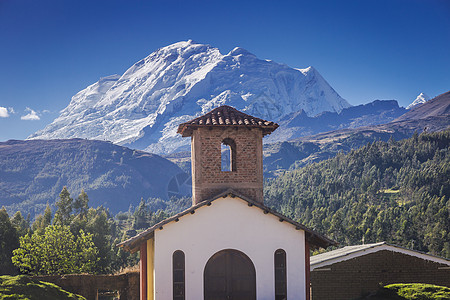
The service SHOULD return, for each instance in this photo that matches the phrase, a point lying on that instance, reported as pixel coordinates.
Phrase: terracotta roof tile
(226, 116)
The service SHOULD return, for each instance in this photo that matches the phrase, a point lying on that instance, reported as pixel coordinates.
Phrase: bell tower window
(228, 155)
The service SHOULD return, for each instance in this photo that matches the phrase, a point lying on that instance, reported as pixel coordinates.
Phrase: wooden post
(307, 271)
(143, 271)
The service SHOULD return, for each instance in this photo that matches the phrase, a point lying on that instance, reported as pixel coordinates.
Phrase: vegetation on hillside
(412, 291)
(395, 191)
(33, 172)
(25, 288)
(78, 238)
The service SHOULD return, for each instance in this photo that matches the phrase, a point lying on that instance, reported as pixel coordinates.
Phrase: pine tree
(9, 240)
(44, 220)
(141, 216)
(81, 204)
(99, 225)
(21, 224)
(65, 206)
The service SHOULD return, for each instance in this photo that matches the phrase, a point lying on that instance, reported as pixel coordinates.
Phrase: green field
(25, 288)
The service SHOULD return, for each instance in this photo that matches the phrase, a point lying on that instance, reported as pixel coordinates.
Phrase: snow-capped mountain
(143, 107)
(421, 99)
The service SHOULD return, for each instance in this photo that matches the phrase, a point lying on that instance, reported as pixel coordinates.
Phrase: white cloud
(31, 116)
(4, 112)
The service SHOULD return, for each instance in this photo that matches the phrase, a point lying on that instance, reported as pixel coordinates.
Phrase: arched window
(178, 275)
(280, 275)
(228, 155)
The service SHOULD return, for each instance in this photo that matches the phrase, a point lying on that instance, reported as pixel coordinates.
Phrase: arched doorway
(229, 275)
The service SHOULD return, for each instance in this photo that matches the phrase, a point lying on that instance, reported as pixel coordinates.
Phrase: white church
(228, 244)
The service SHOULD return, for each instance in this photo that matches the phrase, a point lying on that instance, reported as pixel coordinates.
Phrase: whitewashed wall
(229, 223)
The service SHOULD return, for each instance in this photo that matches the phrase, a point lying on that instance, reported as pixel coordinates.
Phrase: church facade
(228, 244)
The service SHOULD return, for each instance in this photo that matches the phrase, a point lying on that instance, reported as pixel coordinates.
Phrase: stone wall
(362, 275)
(208, 177)
(88, 285)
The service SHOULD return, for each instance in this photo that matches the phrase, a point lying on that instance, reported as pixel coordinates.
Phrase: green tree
(44, 220)
(9, 241)
(99, 224)
(141, 216)
(64, 208)
(21, 224)
(81, 204)
(56, 251)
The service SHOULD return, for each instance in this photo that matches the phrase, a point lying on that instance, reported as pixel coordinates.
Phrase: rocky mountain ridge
(299, 124)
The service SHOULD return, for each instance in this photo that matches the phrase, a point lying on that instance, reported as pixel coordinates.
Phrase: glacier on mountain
(142, 108)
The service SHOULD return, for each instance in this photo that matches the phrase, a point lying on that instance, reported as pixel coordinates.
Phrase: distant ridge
(34, 172)
(431, 116)
(438, 106)
(299, 124)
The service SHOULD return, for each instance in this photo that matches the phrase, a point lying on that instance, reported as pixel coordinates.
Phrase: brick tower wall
(208, 179)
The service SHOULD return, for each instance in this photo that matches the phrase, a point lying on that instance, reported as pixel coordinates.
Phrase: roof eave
(315, 239)
(187, 129)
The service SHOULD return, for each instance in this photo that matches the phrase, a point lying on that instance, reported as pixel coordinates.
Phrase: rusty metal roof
(226, 116)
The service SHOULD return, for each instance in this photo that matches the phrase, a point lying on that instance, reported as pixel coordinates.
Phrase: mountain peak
(180, 44)
(239, 51)
(179, 82)
(308, 70)
(421, 99)
(439, 106)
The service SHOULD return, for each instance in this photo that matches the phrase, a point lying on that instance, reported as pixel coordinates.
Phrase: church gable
(228, 244)
(315, 239)
(228, 218)
(229, 224)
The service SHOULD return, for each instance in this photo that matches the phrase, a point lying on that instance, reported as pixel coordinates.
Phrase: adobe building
(355, 271)
(228, 244)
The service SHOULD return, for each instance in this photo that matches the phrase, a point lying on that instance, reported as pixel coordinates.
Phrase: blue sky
(365, 49)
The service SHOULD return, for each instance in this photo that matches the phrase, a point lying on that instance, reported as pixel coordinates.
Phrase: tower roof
(226, 116)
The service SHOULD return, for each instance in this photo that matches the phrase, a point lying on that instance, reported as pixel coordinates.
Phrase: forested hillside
(395, 191)
(33, 172)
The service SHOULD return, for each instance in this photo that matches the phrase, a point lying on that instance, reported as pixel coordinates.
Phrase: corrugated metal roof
(351, 252)
(341, 252)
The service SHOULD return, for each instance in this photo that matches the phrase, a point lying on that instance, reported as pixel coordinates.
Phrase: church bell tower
(226, 130)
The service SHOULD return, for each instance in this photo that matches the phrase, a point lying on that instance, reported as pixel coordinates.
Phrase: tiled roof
(226, 116)
(315, 239)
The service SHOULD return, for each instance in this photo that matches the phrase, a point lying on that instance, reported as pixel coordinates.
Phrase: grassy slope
(23, 287)
(414, 291)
